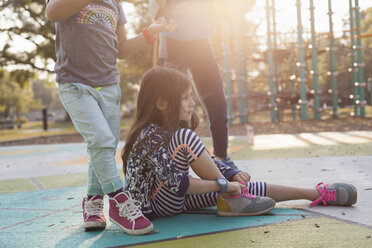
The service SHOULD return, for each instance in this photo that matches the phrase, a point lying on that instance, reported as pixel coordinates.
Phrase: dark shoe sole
(94, 225)
(142, 231)
(355, 196)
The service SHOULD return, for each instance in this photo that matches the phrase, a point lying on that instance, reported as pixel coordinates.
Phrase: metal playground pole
(301, 64)
(270, 58)
(314, 63)
(333, 73)
(360, 64)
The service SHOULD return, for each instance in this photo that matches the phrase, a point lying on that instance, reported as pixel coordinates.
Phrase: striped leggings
(167, 203)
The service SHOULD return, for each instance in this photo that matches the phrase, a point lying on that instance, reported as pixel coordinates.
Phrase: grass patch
(287, 114)
(63, 181)
(16, 185)
(304, 152)
(246, 151)
(47, 182)
(35, 129)
(281, 235)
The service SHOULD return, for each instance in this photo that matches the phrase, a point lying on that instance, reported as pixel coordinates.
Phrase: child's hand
(234, 188)
(241, 177)
(161, 25)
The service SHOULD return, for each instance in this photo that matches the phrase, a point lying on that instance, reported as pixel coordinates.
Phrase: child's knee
(102, 141)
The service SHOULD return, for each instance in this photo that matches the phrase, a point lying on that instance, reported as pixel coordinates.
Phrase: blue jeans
(197, 56)
(96, 116)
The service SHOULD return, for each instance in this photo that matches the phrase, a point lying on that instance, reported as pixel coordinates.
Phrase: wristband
(222, 182)
(149, 38)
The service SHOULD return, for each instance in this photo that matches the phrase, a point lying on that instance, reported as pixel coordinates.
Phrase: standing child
(90, 36)
(161, 146)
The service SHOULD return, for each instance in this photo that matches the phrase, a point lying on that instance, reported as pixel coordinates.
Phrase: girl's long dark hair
(160, 82)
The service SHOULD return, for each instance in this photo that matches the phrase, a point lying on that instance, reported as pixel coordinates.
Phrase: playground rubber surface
(41, 188)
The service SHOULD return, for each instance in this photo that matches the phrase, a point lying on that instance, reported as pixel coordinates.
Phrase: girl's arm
(187, 141)
(200, 186)
(58, 10)
(207, 167)
(207, 170)
(129, 46)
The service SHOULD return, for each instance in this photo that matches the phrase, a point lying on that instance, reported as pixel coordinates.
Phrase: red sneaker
(126, 213)
(93, 213)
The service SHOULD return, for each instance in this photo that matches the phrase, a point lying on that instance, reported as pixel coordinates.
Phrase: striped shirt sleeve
(188, 143)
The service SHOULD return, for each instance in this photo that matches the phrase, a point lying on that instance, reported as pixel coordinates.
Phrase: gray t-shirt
(87, 45)
(192, 17)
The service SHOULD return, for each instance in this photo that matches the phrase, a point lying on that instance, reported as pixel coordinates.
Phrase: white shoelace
(93, 208)
(130, 209)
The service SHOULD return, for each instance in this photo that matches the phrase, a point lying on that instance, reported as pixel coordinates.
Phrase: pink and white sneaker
(93, 213)
(126, 213)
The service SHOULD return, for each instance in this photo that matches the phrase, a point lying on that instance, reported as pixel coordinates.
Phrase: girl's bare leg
(285, 193)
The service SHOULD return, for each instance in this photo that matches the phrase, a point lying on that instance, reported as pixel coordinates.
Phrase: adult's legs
(177, 54)
(208, 81)
(198, 57)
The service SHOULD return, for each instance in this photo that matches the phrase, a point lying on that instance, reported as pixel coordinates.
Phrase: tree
(30, 43)
(28, 35)
(13, 97)
(132, 68)
(46, 93)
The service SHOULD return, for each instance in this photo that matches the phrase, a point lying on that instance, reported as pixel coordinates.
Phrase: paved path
(307, 172)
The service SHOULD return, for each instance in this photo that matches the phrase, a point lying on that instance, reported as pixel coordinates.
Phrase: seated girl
(161, 146)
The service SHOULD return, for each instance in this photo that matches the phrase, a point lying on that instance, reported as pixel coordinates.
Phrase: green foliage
(45, 95)
(24, 25)
(132, 68)
(22, 77)
(14, 97)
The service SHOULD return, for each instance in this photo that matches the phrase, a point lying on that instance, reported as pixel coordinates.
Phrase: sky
(286, 14)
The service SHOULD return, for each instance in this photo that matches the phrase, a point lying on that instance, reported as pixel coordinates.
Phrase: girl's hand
(234, 188)
(161, 25)
(241, 177)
